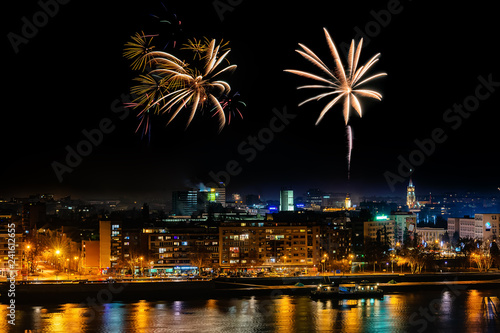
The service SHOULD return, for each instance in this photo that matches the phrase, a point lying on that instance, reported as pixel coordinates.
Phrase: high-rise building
(105, 244)
(33, 215)
(220, 194)
(184, 203)
(286, 200)
(110, 244)
(314, 197)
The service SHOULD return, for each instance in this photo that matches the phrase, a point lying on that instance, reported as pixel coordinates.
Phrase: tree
(376, 252)
(32, 252)
(412, 253)
(482, 257)
(495, 253)
(200, 256)
(445, 238)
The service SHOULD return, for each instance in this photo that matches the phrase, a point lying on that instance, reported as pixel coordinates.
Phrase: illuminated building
(182, 250)
(463, 226)
(33, 214)
(184, 203)
(410, 196)
(336, 239)
(430, 235)
(211, 199)
(481, 227)
(347, 202)
(391, 229)
(269, 244)
(220, 194)
(90, 256)
(110, 244)
(11, 251)
(486, 226)
(286, 200)
(314, 198)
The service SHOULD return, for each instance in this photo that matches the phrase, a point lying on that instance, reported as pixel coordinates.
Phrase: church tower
(347, 202)
(410, 195)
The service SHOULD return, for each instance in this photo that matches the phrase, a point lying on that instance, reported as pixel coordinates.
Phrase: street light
(27, 258)
(77, 264)
(141, 258)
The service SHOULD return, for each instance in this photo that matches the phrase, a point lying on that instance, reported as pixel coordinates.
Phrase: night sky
(69, 76)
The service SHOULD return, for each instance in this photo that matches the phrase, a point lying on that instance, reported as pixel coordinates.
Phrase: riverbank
(42, 292)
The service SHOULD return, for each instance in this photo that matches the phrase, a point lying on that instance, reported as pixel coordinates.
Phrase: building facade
(12, 247)
(391, 229)
(184, 203)
(110, 244)
(268, 244)
(431, 235)
(286, 200)
(482, 227)
(486, 226)
(182, 250)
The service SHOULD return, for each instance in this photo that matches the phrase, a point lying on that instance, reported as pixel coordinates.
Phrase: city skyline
(231, 165)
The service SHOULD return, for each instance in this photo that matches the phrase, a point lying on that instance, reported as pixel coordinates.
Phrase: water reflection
(471, 311)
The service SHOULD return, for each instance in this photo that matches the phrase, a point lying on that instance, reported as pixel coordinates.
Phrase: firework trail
(340, 83)
(349, 150)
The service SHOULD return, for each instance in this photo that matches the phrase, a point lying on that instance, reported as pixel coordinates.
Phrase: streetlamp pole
(28, 260)
(142, 273)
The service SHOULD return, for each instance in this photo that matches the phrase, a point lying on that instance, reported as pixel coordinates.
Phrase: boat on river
(364, 289)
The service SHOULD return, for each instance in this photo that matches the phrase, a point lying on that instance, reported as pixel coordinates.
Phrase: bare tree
(199, 256)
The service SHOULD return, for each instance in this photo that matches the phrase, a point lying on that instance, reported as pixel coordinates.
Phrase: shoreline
(38, 292)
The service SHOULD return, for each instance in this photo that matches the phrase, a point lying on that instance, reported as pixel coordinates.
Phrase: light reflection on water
(408, 312)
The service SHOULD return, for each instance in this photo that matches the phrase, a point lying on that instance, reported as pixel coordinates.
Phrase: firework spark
(340, 83)
(232, 105)
(165, 20)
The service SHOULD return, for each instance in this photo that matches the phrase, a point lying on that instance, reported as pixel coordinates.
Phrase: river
(448, 310)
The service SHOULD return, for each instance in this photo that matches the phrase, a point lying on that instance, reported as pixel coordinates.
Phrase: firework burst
(138, 49)
(340, 83)
(171, 85)
(231, 105)
(165, 20)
